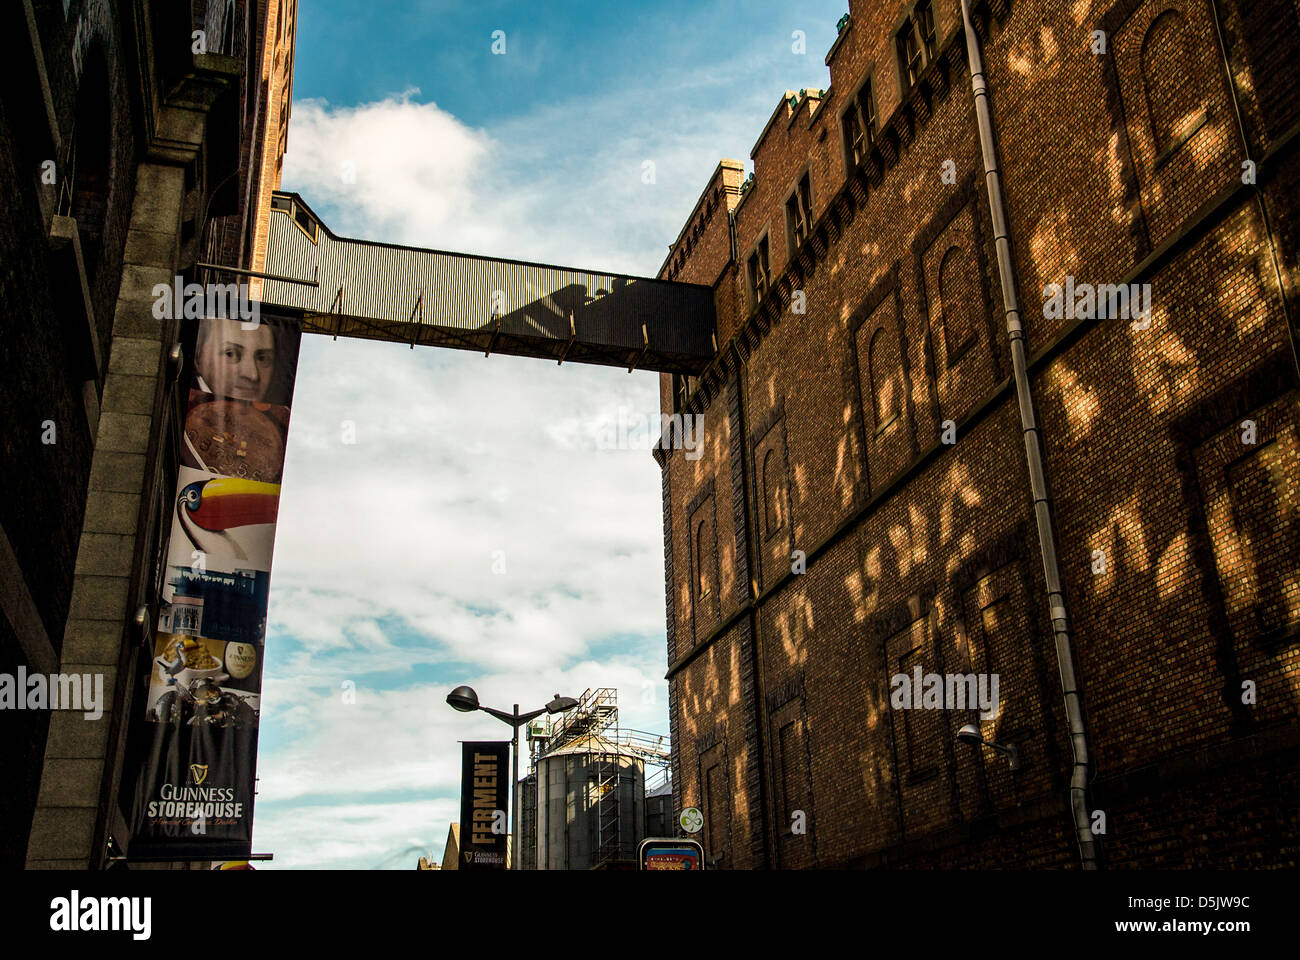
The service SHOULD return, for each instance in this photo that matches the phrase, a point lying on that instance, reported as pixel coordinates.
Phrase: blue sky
(480, 530)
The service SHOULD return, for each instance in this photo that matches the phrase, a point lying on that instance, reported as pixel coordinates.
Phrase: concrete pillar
(68, 808)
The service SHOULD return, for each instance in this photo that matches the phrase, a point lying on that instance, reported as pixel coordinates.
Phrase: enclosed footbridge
(382, 291)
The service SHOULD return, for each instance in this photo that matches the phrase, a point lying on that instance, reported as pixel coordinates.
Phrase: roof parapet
(847, 20)
(723, 185)
(784, 104)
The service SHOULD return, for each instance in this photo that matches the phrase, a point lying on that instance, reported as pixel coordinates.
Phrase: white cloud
(453, 463)
(354, 835)
(413, 164)
(383, 570)
(563, 184)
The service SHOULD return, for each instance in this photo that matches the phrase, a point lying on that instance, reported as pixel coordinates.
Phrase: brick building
(137, 139)
(865, 504)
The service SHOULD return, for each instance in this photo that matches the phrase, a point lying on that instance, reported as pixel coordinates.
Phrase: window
(759, 272)
(683, 387)
(773, 488)
(299, 215)
(919, 737)
(794, 776)
(883, 378)
(1170, 77)
(860, 126)
(305, 222)
(924, 17)
(798, 213)
(717, 796)
(959, 298)
(228, 30)
(855, 147)
(867, 108)
(915, 44)
(702, 588)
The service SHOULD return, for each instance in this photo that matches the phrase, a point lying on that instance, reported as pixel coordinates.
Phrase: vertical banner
(484, 789)
(188, 786)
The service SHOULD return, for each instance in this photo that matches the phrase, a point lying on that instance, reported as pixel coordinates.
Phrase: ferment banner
(484, 793)
(187, 789)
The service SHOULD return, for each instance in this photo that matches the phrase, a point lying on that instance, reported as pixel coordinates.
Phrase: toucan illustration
(209, 508)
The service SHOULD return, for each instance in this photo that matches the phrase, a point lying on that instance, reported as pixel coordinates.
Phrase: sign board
(484, 795)
(692, 820)
(187, 789)
(671, 853)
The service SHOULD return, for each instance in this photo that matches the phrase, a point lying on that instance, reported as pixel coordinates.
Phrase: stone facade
(120, 170)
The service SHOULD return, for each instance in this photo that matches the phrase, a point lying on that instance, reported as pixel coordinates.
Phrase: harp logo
(198, 772)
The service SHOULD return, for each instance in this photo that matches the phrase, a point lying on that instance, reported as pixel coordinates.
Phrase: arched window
(772, 491)
(1170, 77)
(957, 302)
(886, 378)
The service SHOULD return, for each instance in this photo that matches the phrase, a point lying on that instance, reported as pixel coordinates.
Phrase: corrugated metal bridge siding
(381, 285)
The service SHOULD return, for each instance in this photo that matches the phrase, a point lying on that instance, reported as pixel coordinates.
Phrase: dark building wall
(20, 761)
(1118, 168)
(54, 359)
(141, 154)
(50, 356)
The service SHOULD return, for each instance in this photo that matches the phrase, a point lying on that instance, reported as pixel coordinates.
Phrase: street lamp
(971, 734)
(465, 700)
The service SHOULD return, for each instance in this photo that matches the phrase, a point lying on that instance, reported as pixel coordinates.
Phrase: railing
(428, 297)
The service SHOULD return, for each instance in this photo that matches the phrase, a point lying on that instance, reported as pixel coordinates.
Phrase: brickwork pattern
(1177, 542)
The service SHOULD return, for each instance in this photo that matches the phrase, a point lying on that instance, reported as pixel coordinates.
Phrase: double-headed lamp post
(465, 700)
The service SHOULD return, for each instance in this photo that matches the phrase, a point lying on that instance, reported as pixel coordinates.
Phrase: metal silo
(590, 805)
(526, 807)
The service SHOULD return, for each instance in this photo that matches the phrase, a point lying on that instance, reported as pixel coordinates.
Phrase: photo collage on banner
(201, 712)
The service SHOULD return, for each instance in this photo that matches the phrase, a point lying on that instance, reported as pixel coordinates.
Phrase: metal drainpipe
(1033, 453)
(771, 849)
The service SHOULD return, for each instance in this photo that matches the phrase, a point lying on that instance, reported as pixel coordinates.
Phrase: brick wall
(883, 335)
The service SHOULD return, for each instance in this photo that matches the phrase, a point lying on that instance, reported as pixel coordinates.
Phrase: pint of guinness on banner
(187, 787)
(484, 795)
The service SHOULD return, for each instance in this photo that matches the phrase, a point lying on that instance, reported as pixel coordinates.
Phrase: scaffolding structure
(595, 720)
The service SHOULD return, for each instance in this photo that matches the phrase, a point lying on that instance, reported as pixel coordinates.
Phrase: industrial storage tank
(590, 806)
(659, 820)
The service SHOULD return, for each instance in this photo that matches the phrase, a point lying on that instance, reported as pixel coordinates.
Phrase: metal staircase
(609, 836)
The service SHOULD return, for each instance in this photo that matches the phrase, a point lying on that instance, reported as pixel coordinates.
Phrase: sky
(447, 518)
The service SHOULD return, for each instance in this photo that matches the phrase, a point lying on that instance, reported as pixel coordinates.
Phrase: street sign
(671, 853)
(484, 794)
(691, 820)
